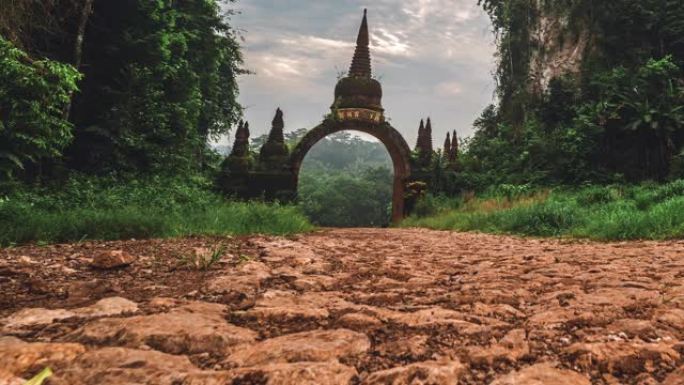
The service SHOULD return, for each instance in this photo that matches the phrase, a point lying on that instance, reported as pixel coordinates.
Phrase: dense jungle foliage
(618, 117)
(346, 181)
(107, 109)
(126, 86)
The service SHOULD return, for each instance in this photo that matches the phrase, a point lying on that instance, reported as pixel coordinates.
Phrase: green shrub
(597, 195)
(509, 191)
(545, 219)
(434, 204)
(596, 212)
(33, 96)
(161, 207)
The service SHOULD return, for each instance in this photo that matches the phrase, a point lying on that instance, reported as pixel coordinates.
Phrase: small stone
(7, 378)
(431, 372)
(542, 374)
(300, 373)
(26, 261)
(164, 303)
(34, 316)
(511, 348)
(437, 316)
(81, 292)
(630, 357)
(359, 321)
(634, 328)
(27, 318)
(645, 379)
(312, 346)
(194, 328)
(119, 366)
(314, 282)
(108, 307)
(675, 378)
(259, 270)
(19, 357)
(414, 347)
(112, 259)
(293, 311)
(673, 318)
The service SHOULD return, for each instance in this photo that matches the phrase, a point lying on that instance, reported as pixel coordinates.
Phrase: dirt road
(358, 306)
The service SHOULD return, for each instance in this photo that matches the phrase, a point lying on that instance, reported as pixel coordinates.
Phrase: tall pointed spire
(241, 144)
(361, 64)
(278, 125)
(274, 152)
(428, 136)
(424, 146)
(239, 162)
(453, 154)
(421, 135)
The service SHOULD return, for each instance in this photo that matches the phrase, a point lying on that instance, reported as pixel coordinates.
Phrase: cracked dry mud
(358, 306)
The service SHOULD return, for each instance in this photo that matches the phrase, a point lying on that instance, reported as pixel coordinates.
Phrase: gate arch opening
(346, 181)
(394, 143)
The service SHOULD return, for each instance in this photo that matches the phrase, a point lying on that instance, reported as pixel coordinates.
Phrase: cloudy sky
(433, 57)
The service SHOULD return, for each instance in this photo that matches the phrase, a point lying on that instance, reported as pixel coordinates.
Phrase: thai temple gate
(274, 175)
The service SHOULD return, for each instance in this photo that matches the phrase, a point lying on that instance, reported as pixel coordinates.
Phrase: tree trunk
(86, 11)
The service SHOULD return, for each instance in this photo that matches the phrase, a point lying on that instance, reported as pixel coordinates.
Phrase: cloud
(449, 88)
(433, 57)
(389, 43)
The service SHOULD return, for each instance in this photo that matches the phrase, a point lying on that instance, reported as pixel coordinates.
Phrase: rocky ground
(361, 306)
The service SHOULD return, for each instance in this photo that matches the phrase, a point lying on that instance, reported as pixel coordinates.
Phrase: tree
(161, 75)
(617, 118)
(33, 95)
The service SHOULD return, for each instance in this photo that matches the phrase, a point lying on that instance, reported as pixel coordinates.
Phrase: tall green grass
(596, 212)
(161, 207)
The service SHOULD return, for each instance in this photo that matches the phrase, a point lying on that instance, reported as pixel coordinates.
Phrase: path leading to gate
(358, 306)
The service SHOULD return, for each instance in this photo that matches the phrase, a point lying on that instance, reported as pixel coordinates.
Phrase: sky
(433, 57)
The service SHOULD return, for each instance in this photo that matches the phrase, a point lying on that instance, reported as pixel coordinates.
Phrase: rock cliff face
(561, 45)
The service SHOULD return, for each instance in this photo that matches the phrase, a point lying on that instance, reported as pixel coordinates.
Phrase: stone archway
(394, 143)
(357, 107)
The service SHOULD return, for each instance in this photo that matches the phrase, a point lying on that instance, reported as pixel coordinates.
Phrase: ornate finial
(361, 64)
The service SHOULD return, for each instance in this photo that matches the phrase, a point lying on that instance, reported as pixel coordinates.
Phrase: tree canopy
(158, 81)
(617, 117)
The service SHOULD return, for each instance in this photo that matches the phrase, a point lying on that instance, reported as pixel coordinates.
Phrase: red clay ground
(361, 306)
